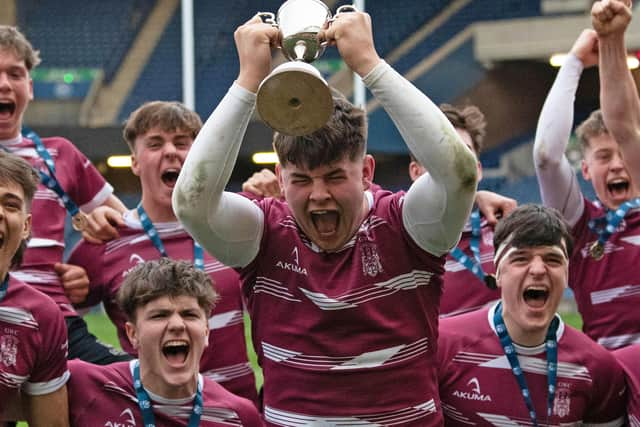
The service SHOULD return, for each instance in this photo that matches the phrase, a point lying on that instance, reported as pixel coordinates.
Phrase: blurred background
(103, 58)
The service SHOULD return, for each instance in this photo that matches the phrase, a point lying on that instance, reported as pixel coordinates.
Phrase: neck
(157, 212)
(524, 337)
(157, 385)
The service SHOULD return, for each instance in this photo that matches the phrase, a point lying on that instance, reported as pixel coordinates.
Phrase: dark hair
(533, 225)
(165, 277)
(16, 170)
(168, 116)
(14, 40)
(470, 119)
(345, 134)
(592, 127)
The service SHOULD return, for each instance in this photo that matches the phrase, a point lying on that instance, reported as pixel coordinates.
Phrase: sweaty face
(604, 167)
(328, 201)
(532, 281)
(170, 335)
(158, 159)
(15, 223)
(16, 90)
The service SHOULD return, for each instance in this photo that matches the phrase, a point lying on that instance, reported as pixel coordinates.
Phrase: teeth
(176, 343)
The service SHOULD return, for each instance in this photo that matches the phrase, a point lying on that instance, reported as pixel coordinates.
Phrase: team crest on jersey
(371, 265)
(8, 350)
(562, 402)
(126, 420)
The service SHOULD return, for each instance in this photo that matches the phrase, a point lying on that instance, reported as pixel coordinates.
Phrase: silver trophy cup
(294, 99)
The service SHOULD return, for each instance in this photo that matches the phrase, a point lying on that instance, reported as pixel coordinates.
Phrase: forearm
(199, 200)
(558, 183)
(619, 99)
(437, 205)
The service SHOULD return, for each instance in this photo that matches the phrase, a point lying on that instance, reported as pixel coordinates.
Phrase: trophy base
(294, 99)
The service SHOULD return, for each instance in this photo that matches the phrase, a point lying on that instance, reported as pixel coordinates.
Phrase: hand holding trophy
(294, 99)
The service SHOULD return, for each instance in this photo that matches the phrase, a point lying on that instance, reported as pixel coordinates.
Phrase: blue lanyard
(51, 182)
(4, 287)
(607, 224)
(152, 233)
(144, 402)
(510, 352)
(474, 264)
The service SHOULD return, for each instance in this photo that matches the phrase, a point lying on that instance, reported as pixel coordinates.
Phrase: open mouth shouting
(618, 187)
(176, 352)
(170, 176)
(7, 108)
(535, 296)
(325, 222)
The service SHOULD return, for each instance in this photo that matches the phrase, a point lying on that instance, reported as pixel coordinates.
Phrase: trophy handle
(345, 8)
(268, 18)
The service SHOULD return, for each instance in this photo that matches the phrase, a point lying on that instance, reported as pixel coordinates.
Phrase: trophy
(294, 99)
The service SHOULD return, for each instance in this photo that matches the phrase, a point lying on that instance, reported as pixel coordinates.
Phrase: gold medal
(596, 250)
(79, 221)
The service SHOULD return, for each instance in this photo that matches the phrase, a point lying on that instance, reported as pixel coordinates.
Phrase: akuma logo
(295, 267)
(474, 394)
(291, 267)
(127, 420)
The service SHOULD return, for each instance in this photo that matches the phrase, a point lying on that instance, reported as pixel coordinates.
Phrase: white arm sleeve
(438, 203)
(227, 225)
(558, 182)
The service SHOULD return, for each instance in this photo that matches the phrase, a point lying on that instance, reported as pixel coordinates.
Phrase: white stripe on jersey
(37, 389)
(11, 380)
(225, 319)
(367, 293)
(215, 415)
(38, 242)
(400, 416)
(18, 316)
(529, 364)
(634, 421)
(366, 360)
(619, 340)
(634, 240)
(273, 288)
(36, 276)
(451, 412)
(32, 153)
(228, 373)
(454, 266)
(608, 295)
(503, 421)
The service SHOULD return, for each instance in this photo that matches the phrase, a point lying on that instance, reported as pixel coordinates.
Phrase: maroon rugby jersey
(477, 386)
(86, 187)
(607, 291)
(104, 396)
(629, 358)
(33, 343)
(463, 291)
(225, 359)
(349, 337)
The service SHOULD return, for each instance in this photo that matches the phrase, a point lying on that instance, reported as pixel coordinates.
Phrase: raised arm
(557, 180)
(618, 93)
(228, 226)
(436, 206)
